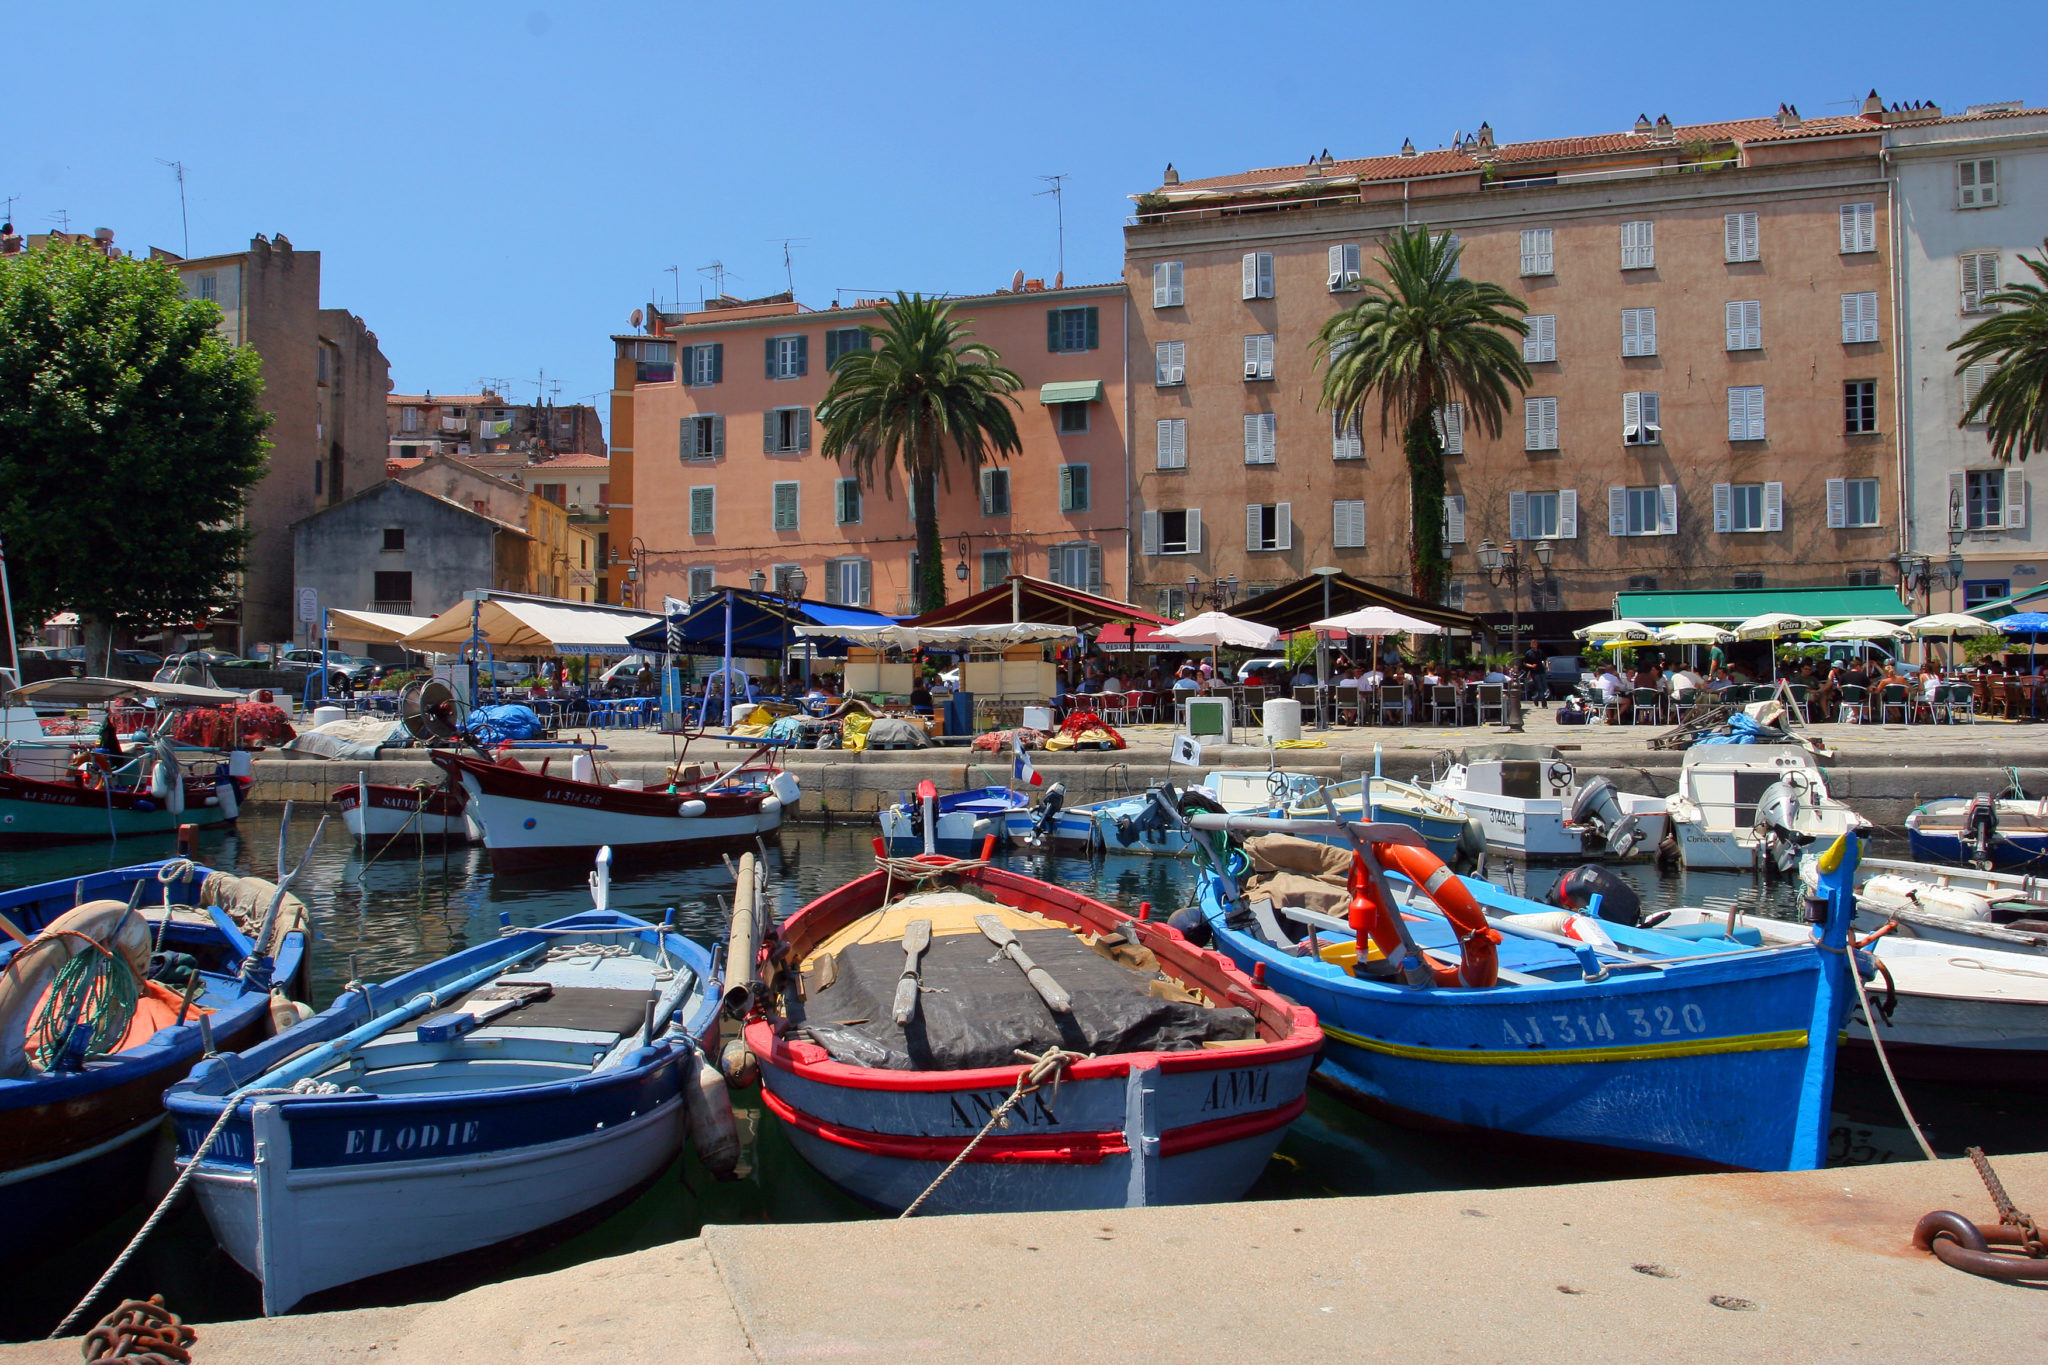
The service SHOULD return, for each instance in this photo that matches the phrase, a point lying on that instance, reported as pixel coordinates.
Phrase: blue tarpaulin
(493, 724)
(763, 626)
(1742, 730)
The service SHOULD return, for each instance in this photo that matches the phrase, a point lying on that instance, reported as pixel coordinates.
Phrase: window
(1643, 511)
(1859, 227)
(1546, 594)
(1071, 329)
(788, 357)
(1536, 253)
(842, 341)
(1269, 526)
(206, 287)
(1344, 272)
(394, 538)
(1078, 565)
(1454, 520)
(846, 502)
(1169, 362)
(1639, 331)
(1745, 325)
(1450, 427)
(995, 567)
(1258, 357)
(1073, 488)
(706, 364)
(1972, 378)
(1980, 280)
(703, 436)
(785, 431)
(1539, 424)
(1852, 502)
(392, 587)
(1073, 418)
(1171, 532)
(703, 510)
(786, 506)
(1258, 274)
(995, 492)
(703, 582)
(1640, 424)
(1859, 406)
(654, 362)
(1172, 602)
(1864, 578)
(1166, 285)
(1638, 246)
(408, 419)
(1746, 413)
(1642, 582)
(1347, 442)
(1173, 443)
(319, 476)
(1544, 515)
(1978, 591)
(1976, 184)
(1450, 241)
(1541, 342)
(1746, 582)
(1347, 524)
(556, 493)
(1991, 499)
(1859, 317)
(848, 582)
(1261, 438)
(1739, 234)
(1749, 507)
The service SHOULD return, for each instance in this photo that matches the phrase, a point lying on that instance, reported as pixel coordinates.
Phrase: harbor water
(380, 916)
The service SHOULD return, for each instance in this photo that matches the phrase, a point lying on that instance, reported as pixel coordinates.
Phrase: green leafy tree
(2013, 403)
(925, 391)
(1420, 340)
(129, 433)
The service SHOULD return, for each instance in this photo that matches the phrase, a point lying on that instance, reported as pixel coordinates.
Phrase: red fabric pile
(215, 729)
(1002, 741)
(1080, 722)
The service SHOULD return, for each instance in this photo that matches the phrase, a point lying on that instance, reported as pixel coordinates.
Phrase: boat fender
(582, 768)
(770, 806)
(285, 1011)
(708, 1110)
(1192, 925)
(1576, 889)
(1471, 843)
(1565, 923)
(738, 1063)
(786, 788)
(692, 807)
(159, 782)
(224, 795)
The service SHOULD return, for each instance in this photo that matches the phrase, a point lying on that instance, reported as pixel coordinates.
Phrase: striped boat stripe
(1563, 1056)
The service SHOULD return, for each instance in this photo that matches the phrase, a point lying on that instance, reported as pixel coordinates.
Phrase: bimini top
(526, 627)
(87, 691)
(372, 627)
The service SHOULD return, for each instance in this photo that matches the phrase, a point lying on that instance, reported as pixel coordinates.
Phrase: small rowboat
(78, 1138)
(1195, 1069)
(503, 1090)
(378, 812)
(960, 820)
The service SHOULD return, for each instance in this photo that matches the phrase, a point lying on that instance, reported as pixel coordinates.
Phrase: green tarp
(1725, 607)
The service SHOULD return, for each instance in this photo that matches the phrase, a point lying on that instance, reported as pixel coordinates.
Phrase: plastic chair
(1347, 700)
(1393, 704)
(1960, 698)
(1855, 705)
(1442, 699)
(1646, 706)
(1255, 704)
(1683, 703)
(1894, 697)
(1492, 697)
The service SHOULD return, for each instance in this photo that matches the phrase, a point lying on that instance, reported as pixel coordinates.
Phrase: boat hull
(399, 813)
(1948, 846)
(34, 812)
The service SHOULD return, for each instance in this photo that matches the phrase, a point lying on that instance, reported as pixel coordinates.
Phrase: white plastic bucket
(327, 715)
(1283, 719)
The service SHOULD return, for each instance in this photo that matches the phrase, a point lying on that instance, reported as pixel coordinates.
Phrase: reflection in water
(408, 907)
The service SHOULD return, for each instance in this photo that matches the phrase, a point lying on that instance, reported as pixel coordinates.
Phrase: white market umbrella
(1866, 629)
(1775, 626)
(1694, 633)
(1214, 628)
(1632, 631)
(1375, 621)
(1950, 626)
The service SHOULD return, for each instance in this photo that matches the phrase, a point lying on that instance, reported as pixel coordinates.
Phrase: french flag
(1022, 772)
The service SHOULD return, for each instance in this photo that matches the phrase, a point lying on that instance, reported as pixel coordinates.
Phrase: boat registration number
(1588, 1030)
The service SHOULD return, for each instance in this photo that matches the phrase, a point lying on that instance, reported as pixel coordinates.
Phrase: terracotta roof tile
(573, 460)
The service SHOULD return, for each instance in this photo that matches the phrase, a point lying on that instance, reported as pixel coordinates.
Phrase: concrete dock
(1815, 1266)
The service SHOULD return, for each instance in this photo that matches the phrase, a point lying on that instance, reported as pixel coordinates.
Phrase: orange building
(1710, 403)
(716, 472)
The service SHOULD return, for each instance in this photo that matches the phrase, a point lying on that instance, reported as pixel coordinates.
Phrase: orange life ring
(1372, 920)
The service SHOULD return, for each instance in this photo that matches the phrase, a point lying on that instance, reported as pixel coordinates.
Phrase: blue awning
(762, 626)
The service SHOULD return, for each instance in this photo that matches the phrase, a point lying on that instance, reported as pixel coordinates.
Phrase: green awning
(1727, 607)
(1071, 391)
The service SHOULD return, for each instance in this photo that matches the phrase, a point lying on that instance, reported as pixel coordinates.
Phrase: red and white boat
(376, 812)
(532, 817)
(1185, 1113)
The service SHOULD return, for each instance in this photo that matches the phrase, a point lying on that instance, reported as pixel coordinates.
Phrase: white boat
(1528, 799)
(1741, 807)
(377, 812)
(1946, 1014)
(1958, 906)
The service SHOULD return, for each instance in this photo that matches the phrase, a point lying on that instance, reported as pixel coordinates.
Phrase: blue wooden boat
(960, 820)
(78, 1137)
(1701, 1053)
(1981, 831)
(503, 1090)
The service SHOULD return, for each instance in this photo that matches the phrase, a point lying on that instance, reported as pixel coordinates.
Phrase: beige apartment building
(477, 425)
(1710, 352)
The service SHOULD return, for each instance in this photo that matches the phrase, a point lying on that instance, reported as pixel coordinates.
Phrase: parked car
(1277, 667)
(358, 669)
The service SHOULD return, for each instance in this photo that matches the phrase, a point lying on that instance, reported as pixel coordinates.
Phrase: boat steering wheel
(1560, 774)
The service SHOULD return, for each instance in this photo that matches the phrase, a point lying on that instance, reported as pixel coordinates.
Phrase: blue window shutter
(1092, 334)
(768, 367)
(803, 355)
(1052, 329)
(718, 362)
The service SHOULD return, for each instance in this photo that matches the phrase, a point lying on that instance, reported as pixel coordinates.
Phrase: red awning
(1147, 637)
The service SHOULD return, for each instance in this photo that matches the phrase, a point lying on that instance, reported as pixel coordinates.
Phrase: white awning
(523, 628)
(999, 635)
(372, 627)
(90, 691)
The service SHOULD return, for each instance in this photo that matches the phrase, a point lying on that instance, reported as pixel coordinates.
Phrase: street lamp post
(637, 551)
(1326, 572)
(1502, 564)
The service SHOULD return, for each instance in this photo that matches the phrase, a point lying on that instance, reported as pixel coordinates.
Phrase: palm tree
(1421, 340)
(2013, 402)
(901, 405)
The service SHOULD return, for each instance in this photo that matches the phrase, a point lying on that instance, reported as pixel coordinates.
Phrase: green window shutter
(1052, 329)
(867, 582)
(1092, 332)
(803, 355)
(768, 365)
(832, 351)
(718, 362)
(803, 437)
(718, 435)
(687, 443)
(768, 432)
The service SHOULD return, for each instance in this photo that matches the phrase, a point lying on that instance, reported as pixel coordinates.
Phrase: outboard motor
(1047, 810)
(1149, 820)
(1777, 826)
(1597, 808)
(1980, 830)
(1618, 900)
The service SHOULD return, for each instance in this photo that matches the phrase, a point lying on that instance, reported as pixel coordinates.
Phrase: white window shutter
(1838, 504)
(1450, 427)
(1518, 516)
(2015, 500)
(1550, 424)
(1774, 506)
(1567, 514)
(1753, 324)
(1454, 519)
(1283, 525)
(1849, 227)
(1628, 331)
(1652, 419)
(1159, 285)
(1251, 274)
(1617, 511)
(1251, 438)
(1751, 235)
(1347, 531)
(1631, 415)
(1870, 315)
(1255, 526)
(1532, 425)
(1148, 535)
(1265, 356)
(1734, 321)
(1265, 263)
(1756, 413)
(1723, 515)
(1731, 235)
(1336, 268)
(1738, 415)
(1194, 530)
(1646, 331)
(1667, 509)
(1269, 437)
(1958, 515)
(1852, 316)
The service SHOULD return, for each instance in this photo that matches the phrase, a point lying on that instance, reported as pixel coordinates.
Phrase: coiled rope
(97, 987)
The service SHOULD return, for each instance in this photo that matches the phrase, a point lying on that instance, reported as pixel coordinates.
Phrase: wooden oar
(1049, 990)
(917, 937)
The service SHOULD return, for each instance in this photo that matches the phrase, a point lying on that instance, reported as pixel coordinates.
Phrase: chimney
(1642, 125)
(1485, 152)
(1663, 136)
(1786, 117)
(1873, 107)
(1408, 147)
(1172, 176)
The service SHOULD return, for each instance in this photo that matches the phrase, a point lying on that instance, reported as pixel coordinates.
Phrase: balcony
(395, 608)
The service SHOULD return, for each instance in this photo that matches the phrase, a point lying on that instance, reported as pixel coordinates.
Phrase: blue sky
(495, 188)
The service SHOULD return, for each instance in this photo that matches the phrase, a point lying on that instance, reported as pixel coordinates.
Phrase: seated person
(921, 698)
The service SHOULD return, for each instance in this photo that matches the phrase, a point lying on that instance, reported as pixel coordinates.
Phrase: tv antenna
(717, 271)
(788, 271)
(676, 278)
(12, 199)
(178, 169)
(62, 218)
(1058, 184)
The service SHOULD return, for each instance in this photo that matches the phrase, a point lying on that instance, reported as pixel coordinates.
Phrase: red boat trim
(1063, 1149)
(1216, 1132)
(522, 784)
(813, 1063)
(1305, 1042)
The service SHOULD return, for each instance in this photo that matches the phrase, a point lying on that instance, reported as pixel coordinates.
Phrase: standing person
(1535, 676)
